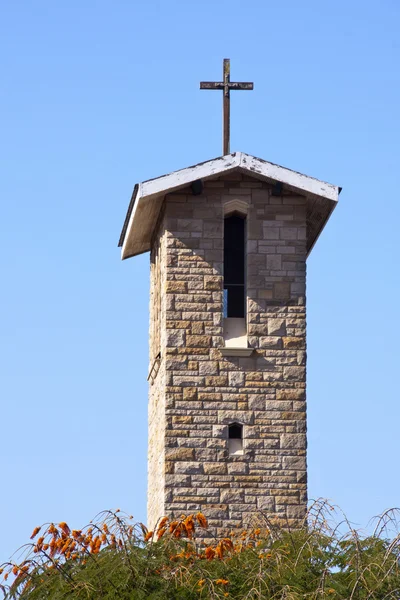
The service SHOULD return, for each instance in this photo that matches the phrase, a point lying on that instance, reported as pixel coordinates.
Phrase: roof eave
(147, 197)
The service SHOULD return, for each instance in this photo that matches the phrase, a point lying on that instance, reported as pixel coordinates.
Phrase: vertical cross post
(226, 85)
(226, 107)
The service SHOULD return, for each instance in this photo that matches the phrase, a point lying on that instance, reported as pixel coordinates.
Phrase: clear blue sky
(96, 96)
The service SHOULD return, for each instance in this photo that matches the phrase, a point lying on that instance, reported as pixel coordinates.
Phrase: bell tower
(228, 242)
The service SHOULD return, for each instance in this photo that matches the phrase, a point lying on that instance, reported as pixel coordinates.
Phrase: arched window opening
(235, 439)
(234, 265)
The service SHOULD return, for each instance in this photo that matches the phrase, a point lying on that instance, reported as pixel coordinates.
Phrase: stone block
(271, 342)
(206, 454)
(187, 380)
(175, 338)
(276, 327)
(282, 290)
(301, 358)
(190, 225)
(178, 324)
(266, 503)
(288, 233)
(197, 328)
(301, 233)
(293, 342)
(271, 233)
(271, 443)
(295, 463)
(201, 341)
(254, 376)
(252, 246)
(229, 416)
(208, 367)
(211, 397)
(293, 440)
(177, 363)
(218, 511)
(256, 402)
(212, 229)
(274, 262)
(232, 496)
(179, 419)
(189, 393)
(293, 416)
(176, 287)
(213, 282)
(218, 444)
(296, 512)
(254, 229)
(265, 294)
(298, 289)
(294, 373)
(235, 379)
(238, 468)
(258, 329)
(219, 431)
(218, 380)
(290, 394)
(189, 468)
(254, 444)
(177, 480)
(285, 501)
(215, 468)
(179, 454)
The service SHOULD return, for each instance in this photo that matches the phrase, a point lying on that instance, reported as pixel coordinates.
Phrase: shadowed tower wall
(196, 391)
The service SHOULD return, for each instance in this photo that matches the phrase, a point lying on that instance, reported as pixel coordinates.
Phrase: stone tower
(228, 242)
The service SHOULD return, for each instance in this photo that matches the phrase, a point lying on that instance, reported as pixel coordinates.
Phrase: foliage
(112, 558)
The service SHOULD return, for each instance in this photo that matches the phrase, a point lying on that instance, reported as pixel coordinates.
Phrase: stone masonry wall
(204, 391)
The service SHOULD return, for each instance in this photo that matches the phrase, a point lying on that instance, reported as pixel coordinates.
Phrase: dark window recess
(235, 431)
(235, 439)
(234, 266)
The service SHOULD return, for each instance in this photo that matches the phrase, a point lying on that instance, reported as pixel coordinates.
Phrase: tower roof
(147, 197)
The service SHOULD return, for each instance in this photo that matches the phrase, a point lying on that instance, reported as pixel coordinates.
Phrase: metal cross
(226, 85)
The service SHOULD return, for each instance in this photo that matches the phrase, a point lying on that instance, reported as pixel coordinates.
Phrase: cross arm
(232, 85)
(241, 85)
(211, 85)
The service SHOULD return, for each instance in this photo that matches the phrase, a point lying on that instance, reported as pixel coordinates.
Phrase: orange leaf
(148, 536)
(64, 527)
(172, 526)
(162, 523)
(76, 533)
(227, 543)
(219, 550)
(202, 520)
(35, 532)
(160, 532)
(210, 553)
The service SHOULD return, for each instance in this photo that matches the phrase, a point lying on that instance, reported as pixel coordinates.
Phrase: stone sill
(236, 351)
